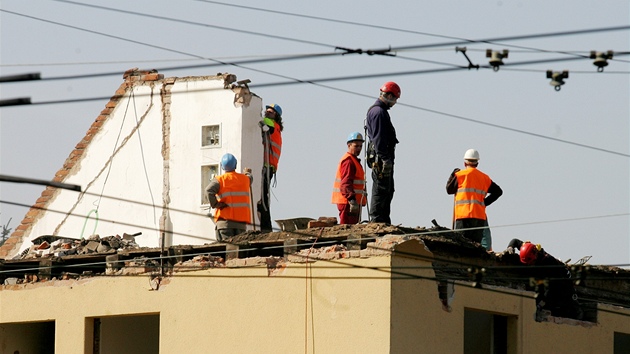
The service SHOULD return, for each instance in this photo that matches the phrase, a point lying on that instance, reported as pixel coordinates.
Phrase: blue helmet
(275, 107)
(355, 136)
(228, 162)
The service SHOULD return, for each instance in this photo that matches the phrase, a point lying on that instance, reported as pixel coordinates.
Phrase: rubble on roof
(59, 246)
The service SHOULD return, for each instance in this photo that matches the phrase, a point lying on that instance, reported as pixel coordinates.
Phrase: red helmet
(528, 253)
(392, 88)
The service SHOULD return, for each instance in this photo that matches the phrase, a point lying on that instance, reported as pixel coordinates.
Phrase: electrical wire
(309, 235)
(187, 22)
(318, 82)
(392, 275)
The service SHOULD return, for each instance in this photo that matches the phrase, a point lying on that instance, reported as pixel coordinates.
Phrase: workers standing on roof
(230, 196)
(349, 188)
(474, 191)
(380, 154)
(271, 128)
(556, 290)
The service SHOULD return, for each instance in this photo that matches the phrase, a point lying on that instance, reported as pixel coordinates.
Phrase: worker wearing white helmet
(474, 191)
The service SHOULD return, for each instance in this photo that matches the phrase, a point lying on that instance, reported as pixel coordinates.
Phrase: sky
(561, 157)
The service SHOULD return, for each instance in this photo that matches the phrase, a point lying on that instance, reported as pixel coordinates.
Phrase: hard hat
(228, 162)
(275, 107)
(528, 253)
(392, 88)
(355, 136)
(471, 154)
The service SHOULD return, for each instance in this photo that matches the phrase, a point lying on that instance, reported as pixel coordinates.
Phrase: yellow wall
(230, 309)
(341, 306)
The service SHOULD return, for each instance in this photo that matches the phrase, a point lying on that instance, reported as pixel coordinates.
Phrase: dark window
(490, 333)
(622, 343)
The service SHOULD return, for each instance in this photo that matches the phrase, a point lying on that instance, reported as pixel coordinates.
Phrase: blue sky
(561, 157)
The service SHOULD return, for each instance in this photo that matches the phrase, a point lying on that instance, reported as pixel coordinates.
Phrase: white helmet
(471, 154)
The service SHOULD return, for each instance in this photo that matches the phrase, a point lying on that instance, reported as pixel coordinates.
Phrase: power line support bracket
(463, 51)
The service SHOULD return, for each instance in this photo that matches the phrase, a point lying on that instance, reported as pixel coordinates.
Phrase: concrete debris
(293, 224)
(199, 262)
(58, 246)
(322, 221)
(330, 252)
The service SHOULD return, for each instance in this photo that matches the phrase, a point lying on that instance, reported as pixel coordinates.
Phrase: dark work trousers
(264, 213)
(222, 234)
(473, 235)
(381, 200)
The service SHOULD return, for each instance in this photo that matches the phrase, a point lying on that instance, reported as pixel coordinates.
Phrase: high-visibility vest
(358, 183)
(275, 147)
(472, 187)
(234, 191)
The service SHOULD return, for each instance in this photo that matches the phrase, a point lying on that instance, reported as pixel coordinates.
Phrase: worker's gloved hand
(388, 166)
(354, 207)
(510, 250)
(455, 171)
(220, 205)
(247, 170)
(264, 127)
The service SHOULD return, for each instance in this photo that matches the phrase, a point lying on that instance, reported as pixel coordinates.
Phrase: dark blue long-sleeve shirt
(381, 131)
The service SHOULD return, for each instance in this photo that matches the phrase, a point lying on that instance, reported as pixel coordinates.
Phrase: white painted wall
(132, 183)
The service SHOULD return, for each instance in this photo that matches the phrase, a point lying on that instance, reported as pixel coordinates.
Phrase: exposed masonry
(107, 164)
(165, 224)
(131, 77)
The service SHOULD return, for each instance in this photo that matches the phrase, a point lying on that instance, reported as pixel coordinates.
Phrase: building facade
(380, 299)
(144, 163)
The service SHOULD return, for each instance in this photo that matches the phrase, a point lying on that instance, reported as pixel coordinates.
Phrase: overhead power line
(187, 22)
(317, 82)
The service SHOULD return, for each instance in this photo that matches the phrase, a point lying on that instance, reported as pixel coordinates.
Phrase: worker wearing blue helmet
(230, 195)
(271, 127)
(349, 191)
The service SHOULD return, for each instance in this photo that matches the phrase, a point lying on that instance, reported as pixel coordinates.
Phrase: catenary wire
(317, 82)
(296, 232)
(171, 19)
(418, 233)
(392, 275)
(219, 62)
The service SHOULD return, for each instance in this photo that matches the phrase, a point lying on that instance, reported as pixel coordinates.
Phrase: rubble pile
(59, 246)
(199, 262)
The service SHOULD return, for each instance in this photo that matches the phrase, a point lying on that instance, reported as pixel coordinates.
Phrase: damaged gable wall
(142, 156)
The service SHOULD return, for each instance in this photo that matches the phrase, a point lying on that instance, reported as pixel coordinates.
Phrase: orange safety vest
(472, 187)
(234, 191)
(358, 183)
(275, 148)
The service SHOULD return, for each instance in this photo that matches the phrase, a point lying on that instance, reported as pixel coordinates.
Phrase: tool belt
(370, 155)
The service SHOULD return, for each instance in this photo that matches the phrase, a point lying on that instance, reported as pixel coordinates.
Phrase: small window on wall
(211, 136)
(489, 333)
(207, 173)
(622, 343)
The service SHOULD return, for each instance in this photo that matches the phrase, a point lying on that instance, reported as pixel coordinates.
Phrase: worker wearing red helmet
(380, 152)
(558, 296)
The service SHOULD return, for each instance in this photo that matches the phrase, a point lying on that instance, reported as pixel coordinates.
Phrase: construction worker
(349, 188)
(555, 289)
(380, 154)
(229, 195)
(271, 128)
(474, 191)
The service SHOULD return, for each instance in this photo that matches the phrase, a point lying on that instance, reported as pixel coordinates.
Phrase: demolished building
(368, 288)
